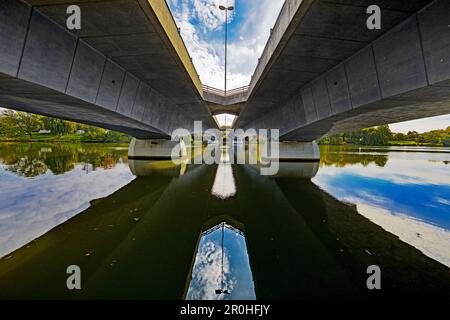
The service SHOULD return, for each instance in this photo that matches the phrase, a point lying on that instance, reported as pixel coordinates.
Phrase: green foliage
(16, 123)
(382, 135)
(34, 159)
(58, 126)
(102, 135)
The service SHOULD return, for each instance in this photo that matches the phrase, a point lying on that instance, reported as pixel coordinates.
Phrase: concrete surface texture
(156, 149)
(322, 71)
(127, 68)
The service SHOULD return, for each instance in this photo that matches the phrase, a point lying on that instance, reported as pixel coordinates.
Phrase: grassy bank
(69, 138)
(390, 144)
(414, 144)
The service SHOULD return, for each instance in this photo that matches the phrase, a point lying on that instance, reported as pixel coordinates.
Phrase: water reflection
(35, 159)
(299, 241)
(42, 186)
(224, 186)
(142, 168)
(405, 192)
(221, 269)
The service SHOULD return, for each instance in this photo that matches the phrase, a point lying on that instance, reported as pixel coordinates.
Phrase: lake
(152, 230)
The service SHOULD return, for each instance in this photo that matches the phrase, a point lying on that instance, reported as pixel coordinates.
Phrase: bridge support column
(292, 151)
(156, 149)
(295, 159)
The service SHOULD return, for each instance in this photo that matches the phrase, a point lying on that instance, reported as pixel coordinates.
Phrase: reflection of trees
(31, 160)
(343, 156)
(28, 167)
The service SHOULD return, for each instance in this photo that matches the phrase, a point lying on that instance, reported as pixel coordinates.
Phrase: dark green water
(222, 231)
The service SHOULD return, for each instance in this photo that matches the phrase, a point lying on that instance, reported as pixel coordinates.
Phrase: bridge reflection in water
(148, 241)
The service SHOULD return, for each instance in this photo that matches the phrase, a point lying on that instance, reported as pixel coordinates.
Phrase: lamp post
(222, 290)
(226, 9)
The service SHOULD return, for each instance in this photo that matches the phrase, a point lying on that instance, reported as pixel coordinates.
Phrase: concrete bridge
(322, 71)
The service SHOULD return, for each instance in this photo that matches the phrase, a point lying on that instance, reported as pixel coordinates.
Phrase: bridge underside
(127, 68)
(330, 74)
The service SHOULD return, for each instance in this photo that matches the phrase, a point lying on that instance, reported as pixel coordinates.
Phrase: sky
(202, 28)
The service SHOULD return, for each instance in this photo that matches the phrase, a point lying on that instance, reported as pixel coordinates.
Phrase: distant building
(44, 131)
(80, 131)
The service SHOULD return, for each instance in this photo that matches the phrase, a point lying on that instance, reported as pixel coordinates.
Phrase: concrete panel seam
(135, 97)
(101, 78)
(25, 41)
(377, 71)
(421, 48)
(121, 88)
(348, 85)
(71, 65)
(328, 94)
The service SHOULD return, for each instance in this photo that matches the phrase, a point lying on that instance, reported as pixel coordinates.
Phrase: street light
(226, 9)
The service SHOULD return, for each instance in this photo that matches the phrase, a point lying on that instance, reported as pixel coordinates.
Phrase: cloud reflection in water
(209, 273)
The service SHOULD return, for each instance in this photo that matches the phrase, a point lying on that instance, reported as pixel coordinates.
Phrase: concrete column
(295, 159)
(156, 149)
(292, 151)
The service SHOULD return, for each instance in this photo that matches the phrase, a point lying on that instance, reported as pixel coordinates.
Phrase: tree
(58, 126)
(15, 123)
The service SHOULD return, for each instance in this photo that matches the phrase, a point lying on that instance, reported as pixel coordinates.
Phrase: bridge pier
(294, 159)
(157, 149)
(294, 151)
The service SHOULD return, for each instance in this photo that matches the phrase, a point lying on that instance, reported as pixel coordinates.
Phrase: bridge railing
(229, 93)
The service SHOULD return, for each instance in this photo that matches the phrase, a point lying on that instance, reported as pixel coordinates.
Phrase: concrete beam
(48, 70)
(402, 75)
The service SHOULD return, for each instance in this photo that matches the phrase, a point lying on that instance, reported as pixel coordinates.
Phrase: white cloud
(431, 240)
(422, 125)
(403, 168)
(207, 273)
(198, 18)
(31, 208)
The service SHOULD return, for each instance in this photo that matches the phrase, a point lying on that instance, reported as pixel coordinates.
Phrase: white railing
(229, 93)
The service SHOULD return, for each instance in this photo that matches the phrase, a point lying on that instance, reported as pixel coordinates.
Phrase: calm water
(223, 231)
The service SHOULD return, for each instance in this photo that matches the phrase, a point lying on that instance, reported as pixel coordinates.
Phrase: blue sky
(202, 28)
